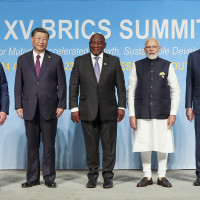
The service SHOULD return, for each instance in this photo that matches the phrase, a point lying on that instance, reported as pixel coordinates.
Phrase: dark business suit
(40, 97)
(98, 108)
(193, 98)
(4, 95)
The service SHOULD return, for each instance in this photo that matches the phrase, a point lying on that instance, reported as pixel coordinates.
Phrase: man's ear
(32, 40)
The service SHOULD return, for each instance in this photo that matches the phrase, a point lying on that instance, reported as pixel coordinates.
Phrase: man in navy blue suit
(192, 103)
(4, 96)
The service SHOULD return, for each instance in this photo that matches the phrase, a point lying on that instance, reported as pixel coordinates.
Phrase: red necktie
(37, 65)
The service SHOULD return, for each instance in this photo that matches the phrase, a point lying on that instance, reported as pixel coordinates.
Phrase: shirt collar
(152, 60)
(35, 54)
(100, 55)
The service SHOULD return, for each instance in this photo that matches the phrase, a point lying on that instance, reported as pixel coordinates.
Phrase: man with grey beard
(153, 100)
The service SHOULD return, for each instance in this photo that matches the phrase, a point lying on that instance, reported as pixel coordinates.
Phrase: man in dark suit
(192, 103)
(4, 96)
(40, 98)
(97, 74)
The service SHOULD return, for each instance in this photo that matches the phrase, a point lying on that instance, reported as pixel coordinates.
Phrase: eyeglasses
(151, 47)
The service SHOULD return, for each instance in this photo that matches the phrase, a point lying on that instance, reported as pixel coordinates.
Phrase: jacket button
(38, 83)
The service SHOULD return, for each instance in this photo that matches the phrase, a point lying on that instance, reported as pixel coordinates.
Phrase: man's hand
(171, 120)
(20, 112)
(3, 117)
(59, 112)
(133, 122)
(190, 114)
(121, 114)
(75, 117)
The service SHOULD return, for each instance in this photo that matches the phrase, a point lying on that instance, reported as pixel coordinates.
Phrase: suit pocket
(82, 97)
(25, 97)
(196, 92)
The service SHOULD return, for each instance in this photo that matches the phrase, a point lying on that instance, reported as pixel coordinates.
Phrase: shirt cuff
(173, 112)
(75, 109)
(131, 114)
(121, 108)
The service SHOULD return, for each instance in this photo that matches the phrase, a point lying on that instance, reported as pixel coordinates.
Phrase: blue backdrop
(126, 25)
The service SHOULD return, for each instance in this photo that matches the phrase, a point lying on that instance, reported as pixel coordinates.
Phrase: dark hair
(99, 34)
(41, 30)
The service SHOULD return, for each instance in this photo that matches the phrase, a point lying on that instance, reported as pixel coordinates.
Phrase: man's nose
(41, 40)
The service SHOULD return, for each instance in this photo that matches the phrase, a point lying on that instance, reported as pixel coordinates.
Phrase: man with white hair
(153, 100)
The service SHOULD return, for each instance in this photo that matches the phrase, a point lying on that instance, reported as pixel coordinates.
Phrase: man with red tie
(40, 99)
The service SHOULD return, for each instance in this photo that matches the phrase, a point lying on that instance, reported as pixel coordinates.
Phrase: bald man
(97, 75)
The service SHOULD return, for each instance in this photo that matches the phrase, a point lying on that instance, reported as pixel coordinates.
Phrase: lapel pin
(49, 56)
(105, 64)
(162, 74)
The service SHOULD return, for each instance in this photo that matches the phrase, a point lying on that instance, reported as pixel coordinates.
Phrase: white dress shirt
(100, 61)
(35, 57)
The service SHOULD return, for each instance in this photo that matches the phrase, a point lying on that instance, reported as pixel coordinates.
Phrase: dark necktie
(97, 68)
(37, 65)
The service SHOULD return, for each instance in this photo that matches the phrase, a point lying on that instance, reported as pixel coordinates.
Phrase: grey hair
(152, 39)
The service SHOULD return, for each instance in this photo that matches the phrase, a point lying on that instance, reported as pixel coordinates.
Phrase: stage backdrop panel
(126, 25)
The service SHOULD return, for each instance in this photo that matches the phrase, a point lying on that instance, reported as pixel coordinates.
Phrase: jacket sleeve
(74, 86)
(18, 85)
(62, 85)
(120, 84)
(189, 84)
(4, 92)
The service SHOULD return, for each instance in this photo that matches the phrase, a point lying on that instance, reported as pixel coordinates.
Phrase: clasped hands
(170, 121)
(75, 115)
(59, 112)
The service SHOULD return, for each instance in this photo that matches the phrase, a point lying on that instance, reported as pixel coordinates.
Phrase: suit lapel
(45, 62)
(104, 67)
(31, 62)
(91, 67)
(198, 57)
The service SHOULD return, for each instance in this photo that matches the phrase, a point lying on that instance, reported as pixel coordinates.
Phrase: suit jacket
(48, 90)
(95, 96)
(193, 82)
(4, 95)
